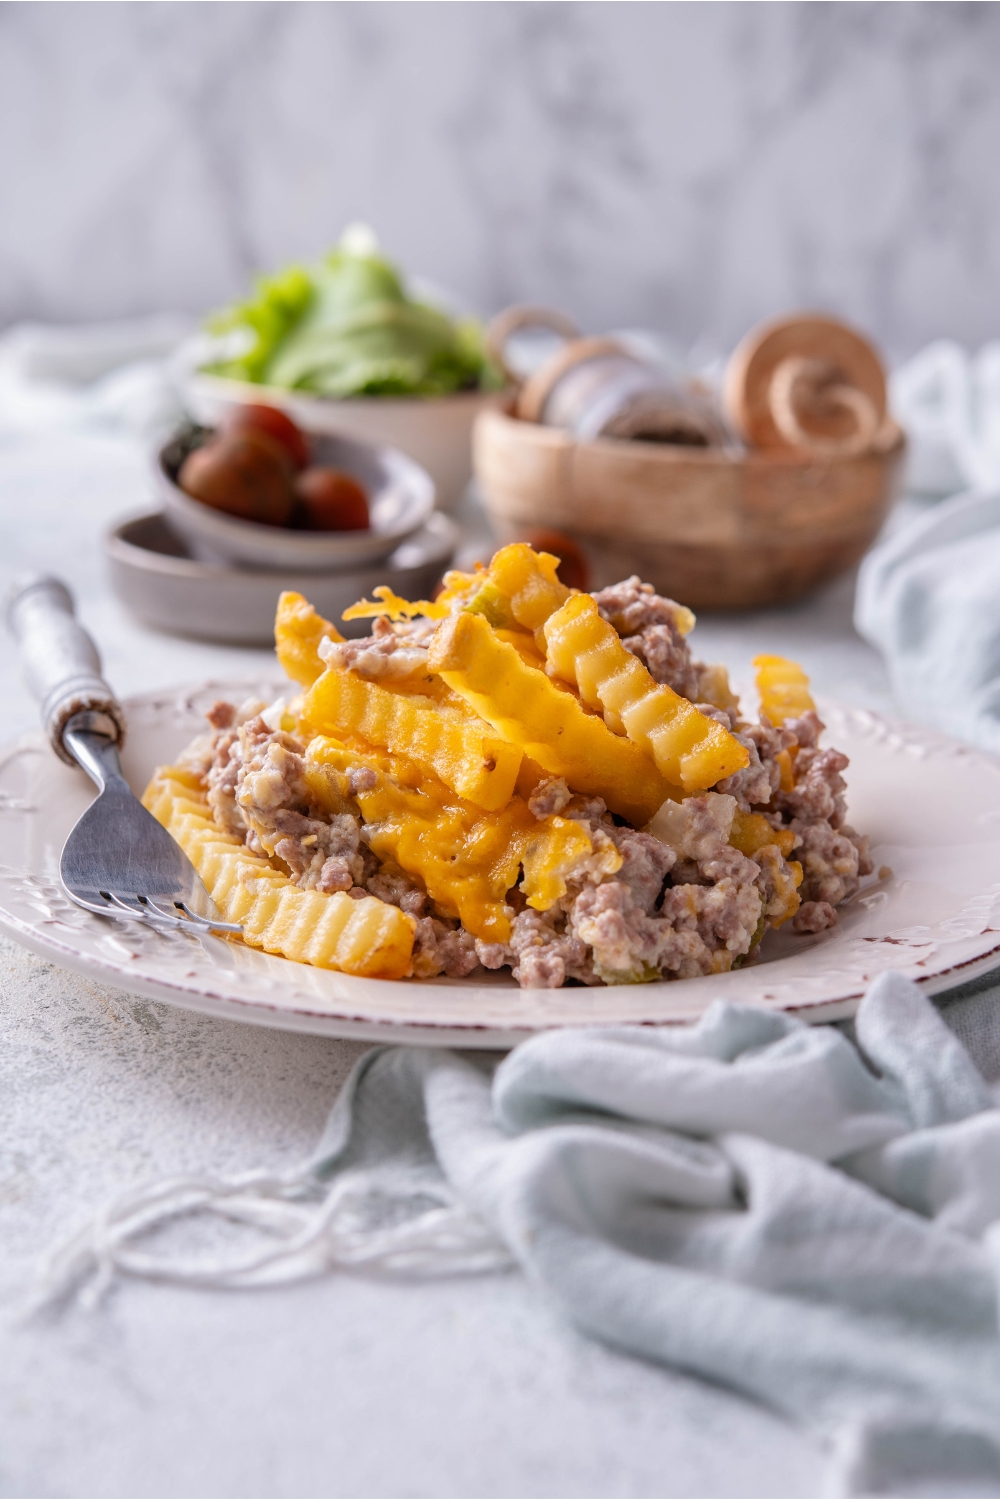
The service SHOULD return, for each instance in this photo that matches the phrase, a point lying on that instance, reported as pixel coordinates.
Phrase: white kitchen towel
(949, 403)
(811, 1221)
(928, 598)
(105, 376)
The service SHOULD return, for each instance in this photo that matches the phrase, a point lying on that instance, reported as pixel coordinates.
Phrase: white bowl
(436, 431)
(168, 590)
(400, 500)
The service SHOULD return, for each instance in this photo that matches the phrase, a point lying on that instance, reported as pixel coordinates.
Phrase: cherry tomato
(245, 474)
(332, 500)
(574, 569)
(275, 423)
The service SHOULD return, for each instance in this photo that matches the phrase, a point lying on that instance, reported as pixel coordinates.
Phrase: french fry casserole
(515, 775)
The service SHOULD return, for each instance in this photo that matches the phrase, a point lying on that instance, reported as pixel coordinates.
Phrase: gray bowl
(400, 498)
(164, 587)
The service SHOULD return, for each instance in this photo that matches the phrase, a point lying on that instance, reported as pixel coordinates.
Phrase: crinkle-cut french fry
(468, 860)
(366, 937)
(546, 723)
(298, 630)
(783, 688)
(477, 765)
(458, 587)
(524, 644)
(521, 587)
(691, 750)
(528, 777)
(393, 607)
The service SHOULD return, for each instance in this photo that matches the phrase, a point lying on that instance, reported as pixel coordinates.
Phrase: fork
(118, 861)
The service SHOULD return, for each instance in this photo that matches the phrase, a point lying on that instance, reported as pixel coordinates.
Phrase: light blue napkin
(928, 598)
(812, 1222)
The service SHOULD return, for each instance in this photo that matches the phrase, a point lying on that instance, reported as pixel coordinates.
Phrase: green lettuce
(346, 327)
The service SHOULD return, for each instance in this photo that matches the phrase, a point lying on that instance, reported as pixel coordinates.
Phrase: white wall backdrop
(691, 167)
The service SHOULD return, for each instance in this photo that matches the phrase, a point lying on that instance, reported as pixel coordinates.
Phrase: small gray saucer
(164, 587)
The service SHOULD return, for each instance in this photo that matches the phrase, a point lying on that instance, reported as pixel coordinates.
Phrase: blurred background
(684, 170)
(685, 167)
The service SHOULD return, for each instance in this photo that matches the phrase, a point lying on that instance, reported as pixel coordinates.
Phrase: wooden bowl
(713, 529)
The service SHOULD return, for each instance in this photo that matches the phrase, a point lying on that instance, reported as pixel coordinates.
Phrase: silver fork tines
(148, 910)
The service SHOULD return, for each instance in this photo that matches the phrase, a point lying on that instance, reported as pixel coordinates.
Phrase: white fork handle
(61, 662)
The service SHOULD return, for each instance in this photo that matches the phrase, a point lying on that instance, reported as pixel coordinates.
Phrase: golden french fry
(524, 644)
(783, 687)
(520, 587)
(691, 750)
(298, 630)
(546, 723)
(462, 751)
(364, 937)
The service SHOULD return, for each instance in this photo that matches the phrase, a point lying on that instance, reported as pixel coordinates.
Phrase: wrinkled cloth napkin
(949, 403)
(810, 1220)
(113, 377)
(928, 598)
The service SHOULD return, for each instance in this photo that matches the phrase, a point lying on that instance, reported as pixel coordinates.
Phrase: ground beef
(224, 761)
(221, 776)
(707, 915)
(492, 955)
(805, 730)
(590, 810)
(819, 788)
(646, 862)
(814, 916)
(725, 916)
(698, 829)
(443, 948)
(664, 653)
(648, 626)
(544, 954)
(361, 779)
(392, 885)
(320, 855)
(389, 653)
(626, 942)
(221, 715)
(829, 863)
(860, 842)
(776, 883)
(755, 786)
(322, 850)
(550, 796)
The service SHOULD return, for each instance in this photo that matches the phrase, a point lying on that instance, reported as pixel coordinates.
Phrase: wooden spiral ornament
(808, 383)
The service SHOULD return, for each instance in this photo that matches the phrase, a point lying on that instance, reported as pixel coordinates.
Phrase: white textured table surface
(344, 1386)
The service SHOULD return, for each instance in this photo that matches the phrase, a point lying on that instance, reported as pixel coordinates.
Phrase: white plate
(931, 806)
